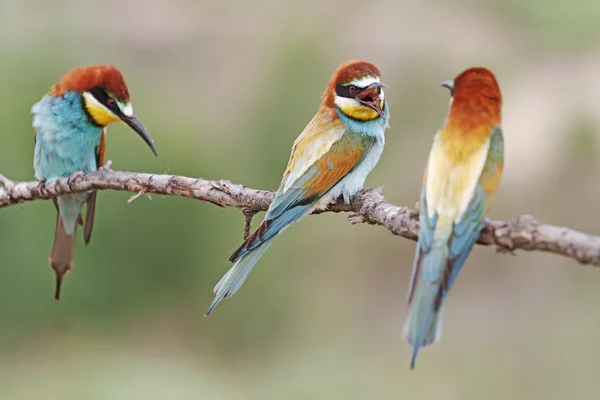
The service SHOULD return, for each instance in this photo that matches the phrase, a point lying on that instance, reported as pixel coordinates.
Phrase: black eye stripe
(102, 97)
(344, 91)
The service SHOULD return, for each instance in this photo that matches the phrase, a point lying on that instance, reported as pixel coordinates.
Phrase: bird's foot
(42, 185)
(74, 176)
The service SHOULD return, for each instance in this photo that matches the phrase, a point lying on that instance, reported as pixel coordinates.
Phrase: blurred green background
(224, 89)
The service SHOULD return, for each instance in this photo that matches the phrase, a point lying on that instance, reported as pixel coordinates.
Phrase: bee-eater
(334, 154)
(69, 130)
(462, 175)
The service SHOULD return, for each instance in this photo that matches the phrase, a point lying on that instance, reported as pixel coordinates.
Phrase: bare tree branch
(369, 206)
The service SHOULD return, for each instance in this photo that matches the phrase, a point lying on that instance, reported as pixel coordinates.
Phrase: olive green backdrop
(224, 88)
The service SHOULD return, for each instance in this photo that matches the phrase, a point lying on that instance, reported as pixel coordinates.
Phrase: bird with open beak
(332, 157)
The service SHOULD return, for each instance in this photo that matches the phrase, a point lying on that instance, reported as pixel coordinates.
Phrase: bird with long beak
(462, 176)
(70, 131)
(332, 157)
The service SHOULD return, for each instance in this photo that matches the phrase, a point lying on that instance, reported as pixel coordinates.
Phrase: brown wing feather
(334, 165)
(91, 201)
(89, 217)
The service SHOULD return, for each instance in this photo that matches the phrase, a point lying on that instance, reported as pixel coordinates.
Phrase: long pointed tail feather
(423, 325)
(231, 282)
(61, 258)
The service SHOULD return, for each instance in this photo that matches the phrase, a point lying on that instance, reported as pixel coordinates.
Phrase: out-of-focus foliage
(224, 89)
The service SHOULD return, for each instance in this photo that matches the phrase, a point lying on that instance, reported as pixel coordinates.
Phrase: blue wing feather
(283, 201)
(426, 230)
(285, 209)
(464, 236)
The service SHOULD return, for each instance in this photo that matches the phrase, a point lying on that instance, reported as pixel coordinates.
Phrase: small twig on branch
(368, 206)
(138, 194)
(5, 182)
(248, 216)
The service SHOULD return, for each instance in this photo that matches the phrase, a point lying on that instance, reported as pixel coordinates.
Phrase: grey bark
(369, 206)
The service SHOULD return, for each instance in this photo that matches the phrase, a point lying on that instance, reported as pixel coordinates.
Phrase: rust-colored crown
(477, 99)
(480, 80)
(346, 73)
(83, 79)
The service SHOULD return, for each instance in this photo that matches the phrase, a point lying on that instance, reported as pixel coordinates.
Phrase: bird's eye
(111, 103)
(352, 89)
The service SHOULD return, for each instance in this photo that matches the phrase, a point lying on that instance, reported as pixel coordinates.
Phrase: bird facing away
(69, 126)
(334, 154)
(461, 179)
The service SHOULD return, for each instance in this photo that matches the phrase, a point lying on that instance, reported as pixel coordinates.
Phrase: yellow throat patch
(359, 112)
(100, 114)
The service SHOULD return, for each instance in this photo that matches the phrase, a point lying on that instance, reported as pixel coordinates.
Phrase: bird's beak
(135, 124)
(371, 99)
(376, 85)
(449, 85)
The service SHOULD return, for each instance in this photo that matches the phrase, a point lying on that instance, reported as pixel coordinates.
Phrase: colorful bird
(462, 175)
(69, 130)
(332, 156)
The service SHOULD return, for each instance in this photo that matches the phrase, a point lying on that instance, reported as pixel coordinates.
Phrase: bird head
(475, 98)
(476, 81)
(105, 97)
(355, 89)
